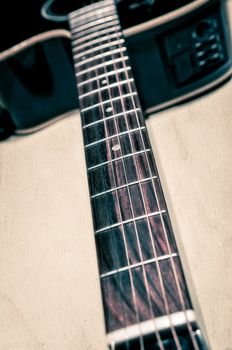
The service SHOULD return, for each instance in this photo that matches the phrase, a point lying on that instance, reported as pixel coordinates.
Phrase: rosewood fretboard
(145, 298)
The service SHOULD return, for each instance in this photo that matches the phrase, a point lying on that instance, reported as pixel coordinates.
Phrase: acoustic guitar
(146, 301)
(145, 297)
(188, 40)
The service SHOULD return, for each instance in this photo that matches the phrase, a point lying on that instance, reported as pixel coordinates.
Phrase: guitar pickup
(195, 51)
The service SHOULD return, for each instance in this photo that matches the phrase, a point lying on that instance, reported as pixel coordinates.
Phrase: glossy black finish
(38, 83)
(191, 52)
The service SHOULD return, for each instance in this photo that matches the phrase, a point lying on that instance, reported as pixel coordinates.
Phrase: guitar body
(177, 38)
(33, 88)
(50, 292)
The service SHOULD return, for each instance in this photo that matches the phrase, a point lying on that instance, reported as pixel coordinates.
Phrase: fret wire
(133, 294)
(131, 279)
(144, 273)
(110, 117)
(106, 21)
(123, 82)
(89, 15)
(138, 241)
(157, 263)
(74, 25)
(140, 264)
(100, 65)
(96, 41)
(102, 76)
(178, 318)
(113, 238)
(94, 58)
(118, 158)
(99, 47)
(124, 186)
(120, 286)
(87, 38)
(108, 101)
(175, 275)
(89, 9)
(113, 136)
(110, 25)
(155, 213)
(174, 271)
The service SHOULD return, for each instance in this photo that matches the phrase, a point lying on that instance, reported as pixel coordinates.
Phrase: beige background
(49, 292)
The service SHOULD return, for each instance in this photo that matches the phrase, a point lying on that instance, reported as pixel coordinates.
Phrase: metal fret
(124, 82)
(134, 239)
(156, 213)
(96, 57)
(102, 76)
(100, 47)
(98, 34)
(108, 101)
(111, 117)
(107, 63)
(96, 41)
(110, 25)
(89, 15)
(118, 158)
(124, 186)
(90, 9)
(161, 324)
(133, 266)
(115, 135)
(95, 24)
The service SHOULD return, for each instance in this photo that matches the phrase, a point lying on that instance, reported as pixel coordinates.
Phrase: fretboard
(144, 292)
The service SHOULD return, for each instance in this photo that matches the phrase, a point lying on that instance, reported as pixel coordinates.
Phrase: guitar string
(189, 326)
(132, 209)
(113, 242)
(137, 232)
(133, 215)
(190, 329)
(112, 235)
(136, 229)
(121, 220)
(148, 222)
(124, 168)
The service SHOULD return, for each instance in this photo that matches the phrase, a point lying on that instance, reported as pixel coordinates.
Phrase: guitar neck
(145, 298)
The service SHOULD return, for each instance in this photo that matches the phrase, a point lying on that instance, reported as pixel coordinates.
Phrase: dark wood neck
(144, 292)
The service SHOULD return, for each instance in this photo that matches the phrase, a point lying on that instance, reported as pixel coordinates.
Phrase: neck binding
(145, 297)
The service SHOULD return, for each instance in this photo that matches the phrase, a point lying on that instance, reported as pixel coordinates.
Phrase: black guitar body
(177, 51)
(181, 57)
(37, 84)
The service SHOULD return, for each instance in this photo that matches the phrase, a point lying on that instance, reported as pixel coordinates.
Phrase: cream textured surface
(49, 292)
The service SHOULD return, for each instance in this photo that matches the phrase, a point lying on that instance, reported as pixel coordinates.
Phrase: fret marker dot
(104, 82)
(116, 148)
(109, 109)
